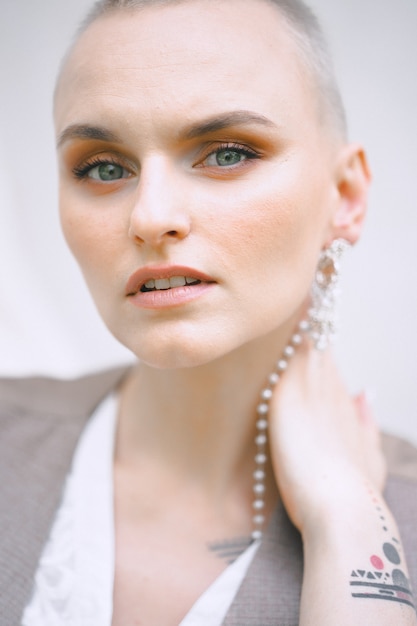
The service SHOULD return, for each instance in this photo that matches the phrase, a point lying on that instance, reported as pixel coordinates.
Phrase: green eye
(107, 172)
(228, 157)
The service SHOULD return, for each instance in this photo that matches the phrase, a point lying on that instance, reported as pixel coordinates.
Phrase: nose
(159, 213)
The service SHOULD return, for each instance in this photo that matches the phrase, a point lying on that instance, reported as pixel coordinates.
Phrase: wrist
(352, 509)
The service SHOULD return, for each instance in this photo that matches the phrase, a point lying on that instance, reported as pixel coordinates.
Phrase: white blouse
(74, 581)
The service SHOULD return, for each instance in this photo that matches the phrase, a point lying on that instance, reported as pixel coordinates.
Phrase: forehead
(190, 59)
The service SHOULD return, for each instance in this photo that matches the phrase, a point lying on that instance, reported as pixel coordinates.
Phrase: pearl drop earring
(324, 294)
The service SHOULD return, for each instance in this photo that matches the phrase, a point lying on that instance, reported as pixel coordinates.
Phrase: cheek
(91, 235)
(272, 235)
(270, 227)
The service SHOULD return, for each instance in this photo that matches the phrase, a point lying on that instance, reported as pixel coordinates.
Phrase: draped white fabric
(74, 580)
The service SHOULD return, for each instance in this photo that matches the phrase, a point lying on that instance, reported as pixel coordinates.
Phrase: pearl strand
(261, 437)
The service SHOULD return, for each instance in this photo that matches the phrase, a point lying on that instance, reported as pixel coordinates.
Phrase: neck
(200, 421)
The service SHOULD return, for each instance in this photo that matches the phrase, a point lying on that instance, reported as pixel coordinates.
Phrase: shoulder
(61, 398)
(401, 457)
(401, 489)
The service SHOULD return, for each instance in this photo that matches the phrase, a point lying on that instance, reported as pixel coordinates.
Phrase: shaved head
(303, 26)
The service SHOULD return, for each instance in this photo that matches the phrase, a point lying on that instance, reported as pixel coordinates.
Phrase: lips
(150, 279)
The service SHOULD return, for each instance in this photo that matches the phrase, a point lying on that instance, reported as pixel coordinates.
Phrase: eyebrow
(212, 124)
(219, 122)
(86, 131)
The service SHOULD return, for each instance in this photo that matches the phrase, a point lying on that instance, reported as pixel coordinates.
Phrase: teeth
(169, 283)
(177, 281)
(162, 283)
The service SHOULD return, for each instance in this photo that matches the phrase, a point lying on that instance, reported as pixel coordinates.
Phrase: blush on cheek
(87, 231)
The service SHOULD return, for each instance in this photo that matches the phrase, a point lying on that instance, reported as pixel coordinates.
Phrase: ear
(353, 178)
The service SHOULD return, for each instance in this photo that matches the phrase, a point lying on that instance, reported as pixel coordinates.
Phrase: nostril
(172, 233)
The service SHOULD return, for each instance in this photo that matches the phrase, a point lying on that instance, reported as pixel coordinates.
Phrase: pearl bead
(273, 378)
(261, 440)
(266, 394)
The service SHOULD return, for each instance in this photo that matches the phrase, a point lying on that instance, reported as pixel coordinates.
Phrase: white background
(47, 322)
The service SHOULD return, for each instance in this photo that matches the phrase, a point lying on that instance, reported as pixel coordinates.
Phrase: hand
(324, 444)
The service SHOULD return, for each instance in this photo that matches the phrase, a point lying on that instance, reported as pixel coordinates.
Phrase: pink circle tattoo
(377, 562)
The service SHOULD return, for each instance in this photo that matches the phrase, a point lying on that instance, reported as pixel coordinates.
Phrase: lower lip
(169, 298)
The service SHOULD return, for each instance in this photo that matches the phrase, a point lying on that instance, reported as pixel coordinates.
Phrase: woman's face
(191, 151)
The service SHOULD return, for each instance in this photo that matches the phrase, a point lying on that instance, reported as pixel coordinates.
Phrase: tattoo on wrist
(385, 580)
(229, 549)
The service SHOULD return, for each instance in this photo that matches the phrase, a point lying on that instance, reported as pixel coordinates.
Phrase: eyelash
(81, 171)
(233, 147)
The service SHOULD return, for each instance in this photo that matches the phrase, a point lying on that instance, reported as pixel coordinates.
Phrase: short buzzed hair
(306, 31)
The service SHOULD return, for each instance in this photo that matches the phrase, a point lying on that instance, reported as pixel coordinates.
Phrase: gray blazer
(40, 423)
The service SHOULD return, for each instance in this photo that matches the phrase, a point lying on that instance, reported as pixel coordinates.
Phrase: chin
(176, 356)
(176, 349)
(188, 343)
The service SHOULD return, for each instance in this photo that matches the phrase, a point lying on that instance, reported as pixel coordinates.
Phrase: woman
(204, 176)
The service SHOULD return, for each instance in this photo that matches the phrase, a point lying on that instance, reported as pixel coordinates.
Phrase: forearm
(354, 568)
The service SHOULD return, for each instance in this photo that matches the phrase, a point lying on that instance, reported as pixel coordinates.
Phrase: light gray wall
(47, 323)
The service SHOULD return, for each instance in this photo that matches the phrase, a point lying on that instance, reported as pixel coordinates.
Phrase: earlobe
(353, 180)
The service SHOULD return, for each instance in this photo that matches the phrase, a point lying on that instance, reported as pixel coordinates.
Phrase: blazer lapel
(270, 592)
(40, 423)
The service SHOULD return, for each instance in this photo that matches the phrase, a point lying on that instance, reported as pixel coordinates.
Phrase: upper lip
(142, 275)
